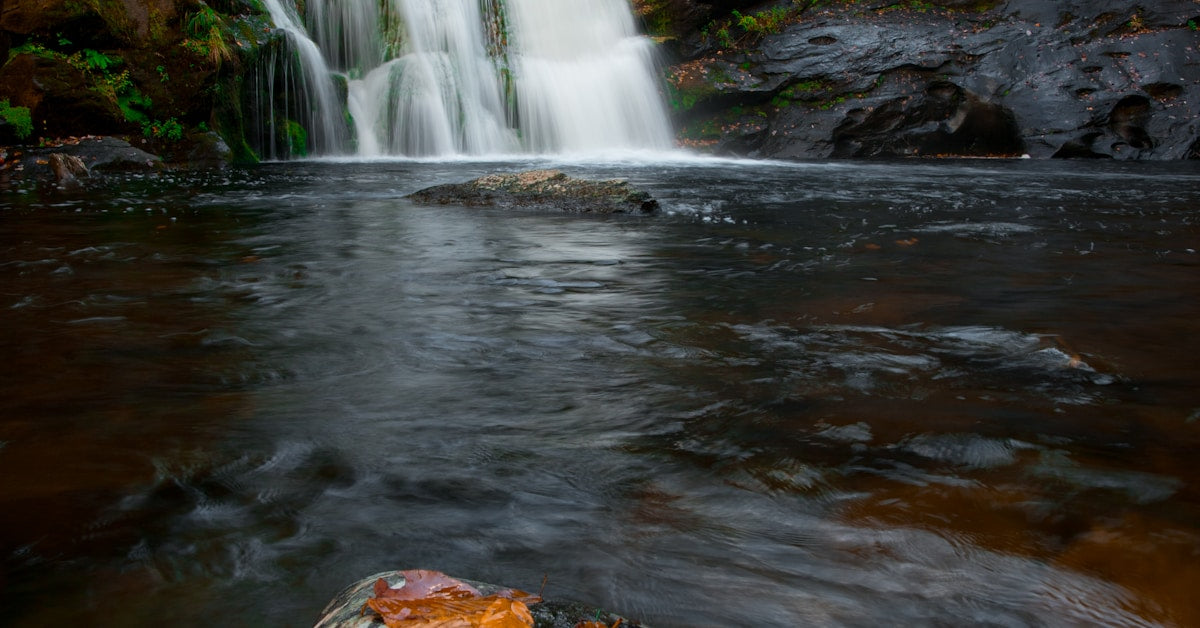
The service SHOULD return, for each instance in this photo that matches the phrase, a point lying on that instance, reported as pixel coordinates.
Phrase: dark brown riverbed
(851, 394)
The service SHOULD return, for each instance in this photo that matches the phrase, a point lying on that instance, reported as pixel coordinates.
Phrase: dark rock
(110, 154)
(345, 610)
(66, 164)
(92, 24)
(67, 169)
(944, 119)
(60, 97)
(541, 189)
(1043, 77)
(196, 150)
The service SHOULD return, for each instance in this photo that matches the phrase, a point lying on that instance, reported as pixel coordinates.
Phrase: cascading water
(442, 94)
(584, 80)
(477, 77)
(299, 108)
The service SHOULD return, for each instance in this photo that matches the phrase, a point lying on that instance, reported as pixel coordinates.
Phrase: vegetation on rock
(18, 117)
(541, 189)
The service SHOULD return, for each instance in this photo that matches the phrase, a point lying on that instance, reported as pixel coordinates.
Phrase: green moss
(297, 138)
(135, 105)
(706, 130)
(657, 16)
(18, 117)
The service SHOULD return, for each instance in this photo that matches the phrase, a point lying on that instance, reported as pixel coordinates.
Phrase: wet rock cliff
(829, 79)
(167, 74)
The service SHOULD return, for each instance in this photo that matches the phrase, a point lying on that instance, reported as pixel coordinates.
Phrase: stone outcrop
(67, 164)
(165, 70)
(345, 610)
(542, 190)
(950, 77)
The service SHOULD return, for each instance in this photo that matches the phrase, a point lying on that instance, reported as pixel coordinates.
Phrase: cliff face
(164, 72)
(822, 78)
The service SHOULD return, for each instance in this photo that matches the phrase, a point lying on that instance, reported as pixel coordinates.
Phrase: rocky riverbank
(72, 162)
(830, 79)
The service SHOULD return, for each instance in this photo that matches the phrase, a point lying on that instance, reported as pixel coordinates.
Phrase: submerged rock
(345, 610)
(542, 189)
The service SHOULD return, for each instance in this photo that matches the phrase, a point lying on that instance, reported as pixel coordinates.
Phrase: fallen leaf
(597, 624)
(431, 599)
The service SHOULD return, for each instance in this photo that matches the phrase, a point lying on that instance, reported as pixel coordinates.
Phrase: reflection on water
(834, 394)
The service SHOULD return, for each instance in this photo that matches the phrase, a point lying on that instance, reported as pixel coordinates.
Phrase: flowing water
(458, 77)
(852, 394)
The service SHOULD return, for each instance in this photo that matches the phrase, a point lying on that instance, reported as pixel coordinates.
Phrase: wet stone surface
(542, 189)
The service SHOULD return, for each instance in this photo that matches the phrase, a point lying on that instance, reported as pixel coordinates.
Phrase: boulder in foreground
(541, 189)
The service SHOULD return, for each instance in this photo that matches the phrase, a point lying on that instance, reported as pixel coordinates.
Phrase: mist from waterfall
(433, 78)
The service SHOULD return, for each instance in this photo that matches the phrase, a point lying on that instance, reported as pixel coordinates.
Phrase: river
(829, 394)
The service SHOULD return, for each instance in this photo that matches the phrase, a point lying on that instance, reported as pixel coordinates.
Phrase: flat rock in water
(541, 189)
(346, 610)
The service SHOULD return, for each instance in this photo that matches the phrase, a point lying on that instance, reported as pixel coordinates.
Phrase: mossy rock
(542, 189)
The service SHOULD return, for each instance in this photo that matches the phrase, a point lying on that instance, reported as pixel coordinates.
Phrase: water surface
(850, 394)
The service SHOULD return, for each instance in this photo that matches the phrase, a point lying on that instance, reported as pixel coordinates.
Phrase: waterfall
(299, 109)
(584, 79)
(473, 77)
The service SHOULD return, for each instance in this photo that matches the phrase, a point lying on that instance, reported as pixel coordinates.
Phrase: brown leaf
(430, 599)
(480, 612)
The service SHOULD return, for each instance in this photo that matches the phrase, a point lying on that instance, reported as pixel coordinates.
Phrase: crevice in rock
(1080, 148)
(1164, 91)
(1129, 119)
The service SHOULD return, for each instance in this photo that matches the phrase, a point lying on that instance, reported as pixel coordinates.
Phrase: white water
(442, 78)
(585, 80)
(315, 104)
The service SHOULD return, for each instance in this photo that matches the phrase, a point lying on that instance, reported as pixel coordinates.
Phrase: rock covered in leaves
(421, 598)
(541, 189)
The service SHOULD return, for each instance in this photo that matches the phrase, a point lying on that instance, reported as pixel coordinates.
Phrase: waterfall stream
(433, 78)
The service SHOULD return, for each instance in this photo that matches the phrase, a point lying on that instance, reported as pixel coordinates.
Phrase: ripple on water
(969, 451)
(877, 360)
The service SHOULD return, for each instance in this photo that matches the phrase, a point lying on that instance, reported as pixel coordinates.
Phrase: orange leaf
(430, 599)
(597, 624)
(482, 612)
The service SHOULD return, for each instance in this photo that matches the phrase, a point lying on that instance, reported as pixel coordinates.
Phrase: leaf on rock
(597, 624)
(422, 583)
(431, 599)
